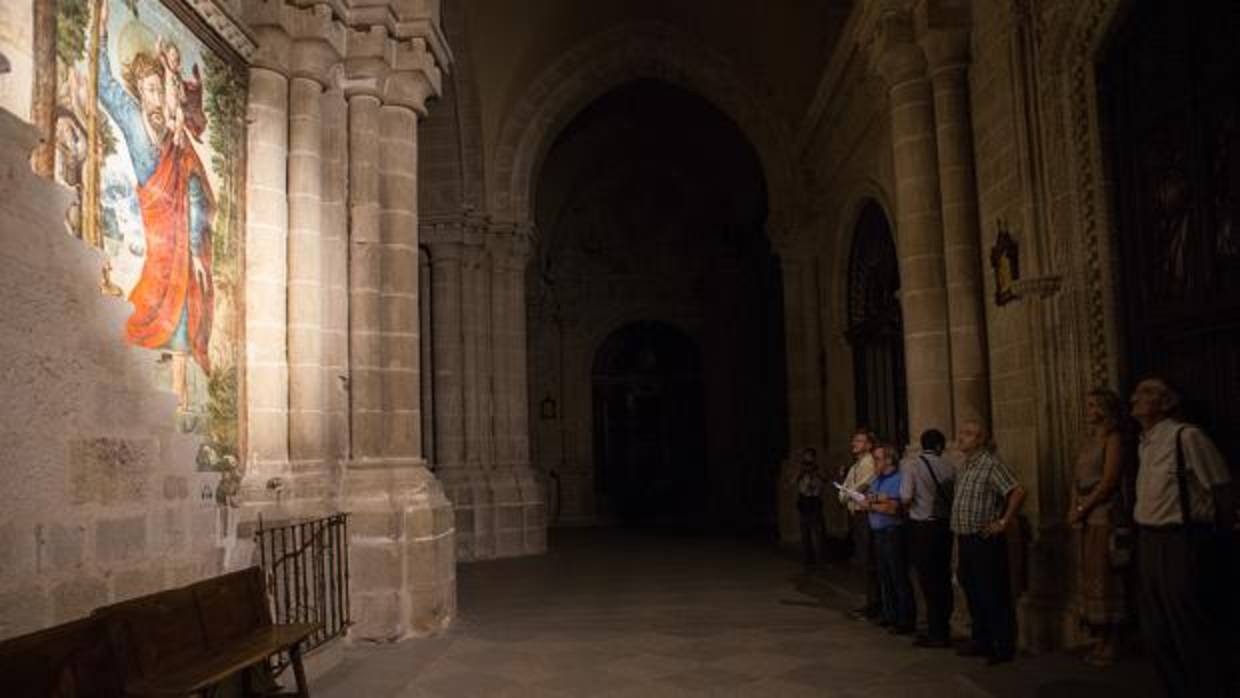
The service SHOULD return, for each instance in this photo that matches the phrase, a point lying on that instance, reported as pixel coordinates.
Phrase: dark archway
(649, 428)
(1171, 94)
(651, 205)
(875, 327)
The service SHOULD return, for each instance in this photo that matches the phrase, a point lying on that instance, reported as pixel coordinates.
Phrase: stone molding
(231, 29)
(1087, 27)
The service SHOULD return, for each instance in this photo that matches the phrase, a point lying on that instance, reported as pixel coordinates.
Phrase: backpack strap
(937, 485)
(1181, 476)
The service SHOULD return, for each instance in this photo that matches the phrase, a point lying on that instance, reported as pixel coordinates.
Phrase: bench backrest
(173, 627)
(73, 660)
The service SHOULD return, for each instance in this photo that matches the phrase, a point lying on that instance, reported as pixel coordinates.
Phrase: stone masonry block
(120, 539)
(176, 487)
(108, 470)
(511, 517)
(77, 597)
(377, 616)
(375, 568)
(65, 543)
(22, 611)
(138, 582)
(17, 554)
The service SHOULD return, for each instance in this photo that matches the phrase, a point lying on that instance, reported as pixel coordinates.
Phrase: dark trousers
(930, 548)
(983, 572)
(863, 555)
(899, 608)
(813, 529)
(1182, 609)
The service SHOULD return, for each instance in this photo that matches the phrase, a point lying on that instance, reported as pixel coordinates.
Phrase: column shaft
(335, 280)
(398, 297)
(476, 320)
(919, 236)
(501, 358)
(970, 387)
(449, 349)
(305, 274)
(266, 263)
(519, 406)
(365, 384)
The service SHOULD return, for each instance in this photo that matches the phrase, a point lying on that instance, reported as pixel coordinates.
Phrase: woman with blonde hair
(1096, 513)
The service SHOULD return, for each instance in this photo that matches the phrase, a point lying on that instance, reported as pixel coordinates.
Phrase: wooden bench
(179, 642)
(74, 660)
(184, 641)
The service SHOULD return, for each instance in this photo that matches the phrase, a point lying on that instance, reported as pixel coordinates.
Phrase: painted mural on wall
(149, 129)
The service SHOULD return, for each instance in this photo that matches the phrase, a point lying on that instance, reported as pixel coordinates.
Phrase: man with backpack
(926, 491)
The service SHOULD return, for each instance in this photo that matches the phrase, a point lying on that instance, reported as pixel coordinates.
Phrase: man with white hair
(1185, 509)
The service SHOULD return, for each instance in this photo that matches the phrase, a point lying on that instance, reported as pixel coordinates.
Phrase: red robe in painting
(167, 284)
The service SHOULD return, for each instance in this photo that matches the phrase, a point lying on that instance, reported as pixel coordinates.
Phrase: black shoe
(901, 630)
(995, 660)
(933, 642)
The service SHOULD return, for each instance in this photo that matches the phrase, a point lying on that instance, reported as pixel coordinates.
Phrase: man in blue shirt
(886, 517)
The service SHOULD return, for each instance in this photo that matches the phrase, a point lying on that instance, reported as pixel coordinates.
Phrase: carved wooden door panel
(1171, 99)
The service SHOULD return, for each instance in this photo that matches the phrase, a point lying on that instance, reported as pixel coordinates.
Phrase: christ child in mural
(173, 300)
(182, 98)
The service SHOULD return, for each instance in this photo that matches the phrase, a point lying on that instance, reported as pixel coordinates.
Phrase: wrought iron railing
(307, 569)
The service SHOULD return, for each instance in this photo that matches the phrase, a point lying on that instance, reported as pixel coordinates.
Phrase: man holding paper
(857, 481)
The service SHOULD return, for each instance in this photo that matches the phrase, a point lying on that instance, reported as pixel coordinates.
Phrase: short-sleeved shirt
(1158, 490)
(925, 500)
(889, 485)
(982, 486)
(859, 477)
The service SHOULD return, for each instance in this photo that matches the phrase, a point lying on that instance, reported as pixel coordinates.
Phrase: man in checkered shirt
(988, 497)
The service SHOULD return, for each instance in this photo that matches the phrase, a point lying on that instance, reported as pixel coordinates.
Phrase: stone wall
(103, 500)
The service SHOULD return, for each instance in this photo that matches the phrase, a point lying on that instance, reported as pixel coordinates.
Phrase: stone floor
(619, 613)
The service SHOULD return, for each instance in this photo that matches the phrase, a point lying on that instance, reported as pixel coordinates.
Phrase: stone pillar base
(1046, 614)
(402, 555)
(500, 512)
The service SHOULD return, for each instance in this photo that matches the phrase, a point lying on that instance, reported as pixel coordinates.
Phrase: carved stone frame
(1070, 57)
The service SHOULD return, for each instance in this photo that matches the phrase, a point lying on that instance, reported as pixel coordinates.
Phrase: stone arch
(595, 66)
(840, 243)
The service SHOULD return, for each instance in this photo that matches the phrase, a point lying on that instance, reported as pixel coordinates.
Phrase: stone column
(518, 498)
(470, 489)
(397, 370)
(266, 262)
(803, 350)
(948, 55)
(401, 551)
(307, 450)
(476, 321)
(919, 226)
(449, 349)
(335, 280)
(365, 396)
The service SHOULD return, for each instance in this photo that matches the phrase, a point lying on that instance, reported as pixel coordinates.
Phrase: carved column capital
(399, 71)
(943, 30)
(894, 52)
(317, 43)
